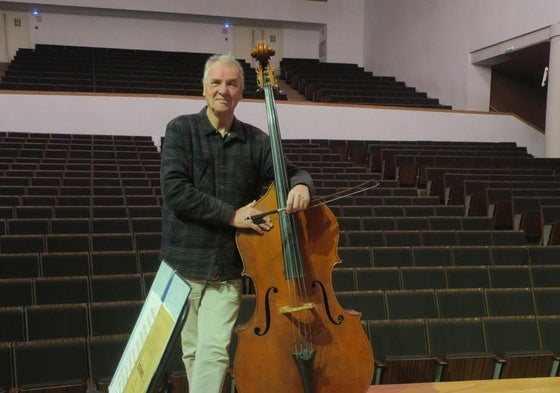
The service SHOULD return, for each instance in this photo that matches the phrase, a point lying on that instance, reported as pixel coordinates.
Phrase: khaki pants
(207, 333)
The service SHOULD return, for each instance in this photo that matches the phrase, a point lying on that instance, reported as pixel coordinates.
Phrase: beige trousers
(206, 335)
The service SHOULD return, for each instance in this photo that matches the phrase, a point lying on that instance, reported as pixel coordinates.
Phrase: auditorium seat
(108, 318)
(65, 264)
(549, 255)
(461, 303)
(147, 224)
(378, 278)
(36, 226)
(438, 238)
(6, 367)
(439, 223)
(19, 265)
(147, 241)
(21, 244)
(431, 256)
(461, 345)
(402, 238)
(365, 238)
(109, 212)
(411, 304)
(51, 364)
(116, 287)
(69, 242)
(474, 238)
(16, 292)
(144, 211)
(149, 261)
(72, 212)
(547, 301)
(516, 341)
(509, 301)
(391, 256)
(401, 352)
(371, 304)
(56, 321)
(510, 276)
(112, 242)
(114, 262)
(550, 218)
(343, 279)
(452, 211)
(411, 223)
(510, 255)
(104, 353)
(12, 327)
(467, 277)
(508, 238)
(423, 277)
(355, 256)
(110, 225)
(70, 226)
(545, 276)
(62, 290)
(549, 325)
(378, 223)
(471, 256)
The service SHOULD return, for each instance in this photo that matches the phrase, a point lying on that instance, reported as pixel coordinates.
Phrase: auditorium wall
(427, 43)
(130, 115)
(198, 26)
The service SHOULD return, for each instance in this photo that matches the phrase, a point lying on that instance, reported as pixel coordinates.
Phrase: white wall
(427, 43)
(89, 113)
(196, 25)
(423, 42)
(130, 33)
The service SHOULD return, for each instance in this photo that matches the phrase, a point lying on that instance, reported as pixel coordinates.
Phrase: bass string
(293, 265)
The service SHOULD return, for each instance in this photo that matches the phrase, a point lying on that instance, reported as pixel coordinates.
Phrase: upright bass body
(297, 315)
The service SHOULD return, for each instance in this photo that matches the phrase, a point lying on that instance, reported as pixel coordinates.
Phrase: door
(246, 37)
(17, 34)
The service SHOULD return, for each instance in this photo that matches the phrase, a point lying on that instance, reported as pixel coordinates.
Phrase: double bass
(299, 339)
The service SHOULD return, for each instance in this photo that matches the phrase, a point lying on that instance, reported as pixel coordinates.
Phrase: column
(552, 127)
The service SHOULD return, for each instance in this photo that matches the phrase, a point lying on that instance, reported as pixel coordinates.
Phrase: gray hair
(230, 59)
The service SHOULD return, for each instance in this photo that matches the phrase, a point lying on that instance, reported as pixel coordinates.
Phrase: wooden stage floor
(525, 385)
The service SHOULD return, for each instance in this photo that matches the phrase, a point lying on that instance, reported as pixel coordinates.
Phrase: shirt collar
(236, 131)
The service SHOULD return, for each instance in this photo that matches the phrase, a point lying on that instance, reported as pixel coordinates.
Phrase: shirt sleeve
(299, 176)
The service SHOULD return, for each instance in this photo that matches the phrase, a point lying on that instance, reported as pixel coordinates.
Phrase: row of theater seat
(24, 223)
(113, 277)
(488, 255)
(81, 263)
(465, 349)
(445, 277)
(341, 82)
(81, 69)
(152, 210)
(18, 244)
(88, 316)
(424, 342)
(371, 277)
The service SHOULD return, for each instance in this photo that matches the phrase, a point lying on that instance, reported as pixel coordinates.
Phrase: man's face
(223, 88)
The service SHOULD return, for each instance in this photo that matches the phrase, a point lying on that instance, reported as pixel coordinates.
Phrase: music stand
(144, 361)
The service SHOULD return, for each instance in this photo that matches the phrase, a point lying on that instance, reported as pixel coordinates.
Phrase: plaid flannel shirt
(204, 179)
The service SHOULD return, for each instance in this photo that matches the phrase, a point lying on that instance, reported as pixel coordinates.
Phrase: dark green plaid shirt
(204, 179)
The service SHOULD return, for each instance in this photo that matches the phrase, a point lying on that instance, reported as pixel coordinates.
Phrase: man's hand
(298, 198)
(242, 219)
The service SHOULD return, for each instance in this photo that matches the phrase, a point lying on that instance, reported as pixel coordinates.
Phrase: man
(213, 169)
